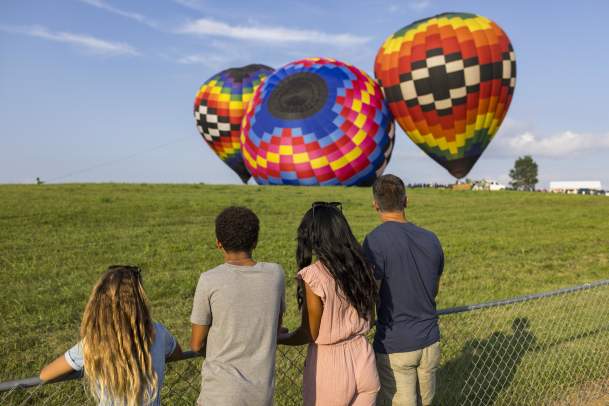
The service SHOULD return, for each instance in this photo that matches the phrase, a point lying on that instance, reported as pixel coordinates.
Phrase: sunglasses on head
(136, 270)
(336, 205)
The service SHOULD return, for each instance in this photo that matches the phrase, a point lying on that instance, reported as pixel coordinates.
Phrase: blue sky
(102, 90)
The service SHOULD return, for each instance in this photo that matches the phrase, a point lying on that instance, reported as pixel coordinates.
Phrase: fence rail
(543, 349)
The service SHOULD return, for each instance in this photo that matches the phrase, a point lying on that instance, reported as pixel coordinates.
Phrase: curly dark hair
(325, 233)
(237, 229)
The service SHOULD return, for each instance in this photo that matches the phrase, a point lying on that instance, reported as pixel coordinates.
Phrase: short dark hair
(237, 229)
(389, 193)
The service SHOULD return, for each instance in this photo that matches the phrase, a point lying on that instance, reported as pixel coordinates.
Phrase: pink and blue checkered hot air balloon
(317, 121)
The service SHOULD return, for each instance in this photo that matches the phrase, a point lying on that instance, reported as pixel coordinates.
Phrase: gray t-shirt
(242, 304)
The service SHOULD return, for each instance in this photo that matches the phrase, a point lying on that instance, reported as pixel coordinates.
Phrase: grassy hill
(56, 240)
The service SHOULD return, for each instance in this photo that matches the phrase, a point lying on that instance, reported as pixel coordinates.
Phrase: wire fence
(545, 349)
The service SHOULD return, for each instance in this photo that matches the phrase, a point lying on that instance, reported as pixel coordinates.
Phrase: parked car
(488, 184)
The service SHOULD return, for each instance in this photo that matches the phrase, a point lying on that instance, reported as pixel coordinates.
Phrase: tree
(524, 174)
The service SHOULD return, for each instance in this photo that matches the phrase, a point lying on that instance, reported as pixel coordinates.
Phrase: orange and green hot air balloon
(449, 81)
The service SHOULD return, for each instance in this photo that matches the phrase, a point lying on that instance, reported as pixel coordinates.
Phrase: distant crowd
(428, 185)
(344, 288)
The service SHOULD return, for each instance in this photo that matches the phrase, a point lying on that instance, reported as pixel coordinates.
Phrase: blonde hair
(117, 334)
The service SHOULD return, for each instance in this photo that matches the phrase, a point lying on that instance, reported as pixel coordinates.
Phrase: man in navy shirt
(408, 262)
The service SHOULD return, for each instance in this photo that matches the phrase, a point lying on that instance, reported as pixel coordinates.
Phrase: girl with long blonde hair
(122, 351)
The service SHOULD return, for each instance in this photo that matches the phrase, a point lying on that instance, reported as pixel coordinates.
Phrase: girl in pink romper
(337, 294)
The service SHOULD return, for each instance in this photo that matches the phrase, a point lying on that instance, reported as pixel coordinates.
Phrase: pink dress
(340, 367)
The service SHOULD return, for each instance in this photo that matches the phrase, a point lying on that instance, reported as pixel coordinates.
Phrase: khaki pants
(408, 378)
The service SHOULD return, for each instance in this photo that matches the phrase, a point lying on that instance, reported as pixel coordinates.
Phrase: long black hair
(325, 233)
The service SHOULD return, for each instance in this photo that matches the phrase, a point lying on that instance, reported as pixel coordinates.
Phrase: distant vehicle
(488, 184)
(461, 186)
(574, 187)
(496, 186)
(594, 192)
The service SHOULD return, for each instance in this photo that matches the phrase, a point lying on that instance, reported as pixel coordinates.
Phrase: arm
(176, 354)
(201, 316)
(312, 309)
(437, 287)
(280, 327)
(377, 264)
(59, 367)
(282, 308)
(198, 337)
(440, 272)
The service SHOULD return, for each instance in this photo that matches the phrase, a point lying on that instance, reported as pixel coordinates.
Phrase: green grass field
(56, 240)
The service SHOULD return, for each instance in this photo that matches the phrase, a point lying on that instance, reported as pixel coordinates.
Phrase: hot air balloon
(449, 81)
(317, 121)
(219, 108)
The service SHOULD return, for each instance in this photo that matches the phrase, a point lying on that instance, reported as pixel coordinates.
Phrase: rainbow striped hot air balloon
(317, 121)
(449, 81)
(219, 108)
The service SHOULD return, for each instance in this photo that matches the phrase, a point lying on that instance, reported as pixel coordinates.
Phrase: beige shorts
(408, 378)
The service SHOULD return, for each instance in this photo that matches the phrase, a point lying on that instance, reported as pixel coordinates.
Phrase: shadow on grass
(484, 368)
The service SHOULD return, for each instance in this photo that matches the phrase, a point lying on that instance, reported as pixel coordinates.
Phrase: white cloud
(212, 61)
(87, 42)
(558, 145)
(210, 27)
(218, 55)
(419, 5)
(195, 59)
(127, 14)
(192, 4)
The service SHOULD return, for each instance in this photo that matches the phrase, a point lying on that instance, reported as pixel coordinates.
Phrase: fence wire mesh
(550, 349)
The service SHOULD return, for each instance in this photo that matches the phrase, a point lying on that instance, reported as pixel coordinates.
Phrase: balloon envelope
(449, 81)
(219, 108)
(317, 121)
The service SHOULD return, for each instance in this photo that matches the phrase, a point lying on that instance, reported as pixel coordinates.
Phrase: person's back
(237, 312)
(408, 262)
(412, 261)
(337, 293)
(245, 303)
(119, 343)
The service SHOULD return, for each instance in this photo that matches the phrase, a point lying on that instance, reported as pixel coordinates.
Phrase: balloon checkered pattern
(317, 121)
(219, 107)
(449, 81)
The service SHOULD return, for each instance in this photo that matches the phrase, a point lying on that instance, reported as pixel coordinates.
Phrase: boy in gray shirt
(236, 313)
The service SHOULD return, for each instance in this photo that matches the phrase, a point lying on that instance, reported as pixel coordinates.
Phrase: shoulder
(272, 267)
(382, 236)
(316, 276)
(213, 273)
(315, 273)
(426, 235)
(275, 271)
(378, 232)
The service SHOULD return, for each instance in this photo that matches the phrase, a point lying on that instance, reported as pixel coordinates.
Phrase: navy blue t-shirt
(408, 262)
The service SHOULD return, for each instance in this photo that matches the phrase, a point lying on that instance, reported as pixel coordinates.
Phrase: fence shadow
(484, 368)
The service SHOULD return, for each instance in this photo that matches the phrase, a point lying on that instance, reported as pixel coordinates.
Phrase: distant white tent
(574, 186)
